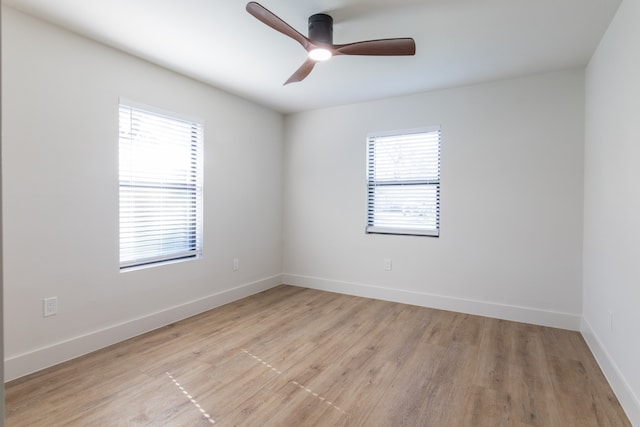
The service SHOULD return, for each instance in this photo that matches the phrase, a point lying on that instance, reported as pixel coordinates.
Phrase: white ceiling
(459, 42)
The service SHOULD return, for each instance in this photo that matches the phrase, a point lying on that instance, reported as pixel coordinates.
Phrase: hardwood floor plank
(488, 407)
(300, 357)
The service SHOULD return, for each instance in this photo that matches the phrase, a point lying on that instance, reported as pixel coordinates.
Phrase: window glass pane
(413, 206)
(407, 157)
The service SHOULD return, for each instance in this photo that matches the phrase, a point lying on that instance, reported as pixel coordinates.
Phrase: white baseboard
(26, 363)
(629, 401)
(481, 308)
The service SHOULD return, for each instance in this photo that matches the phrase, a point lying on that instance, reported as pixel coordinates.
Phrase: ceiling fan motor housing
(321, 28)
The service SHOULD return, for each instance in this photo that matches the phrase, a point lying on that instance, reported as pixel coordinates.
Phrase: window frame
(189, 191)
(372, 183)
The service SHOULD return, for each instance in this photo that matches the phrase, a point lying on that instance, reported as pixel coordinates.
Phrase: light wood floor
(300, 357)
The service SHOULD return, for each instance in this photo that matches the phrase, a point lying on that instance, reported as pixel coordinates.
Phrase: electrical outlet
(387, 264)
(236, 264)
(50, 306)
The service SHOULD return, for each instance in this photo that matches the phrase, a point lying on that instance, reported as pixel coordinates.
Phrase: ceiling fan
(320, 45)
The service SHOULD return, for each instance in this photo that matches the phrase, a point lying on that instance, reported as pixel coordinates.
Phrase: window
(403, 182)
(160, 186)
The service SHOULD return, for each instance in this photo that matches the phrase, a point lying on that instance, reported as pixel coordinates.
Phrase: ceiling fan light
(320, 54)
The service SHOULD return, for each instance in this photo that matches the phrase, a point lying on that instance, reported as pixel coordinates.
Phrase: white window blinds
(403, 183)
(160, 186)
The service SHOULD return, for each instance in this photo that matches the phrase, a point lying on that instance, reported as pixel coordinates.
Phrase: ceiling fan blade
(390, 47)
(269, 18)
(302, 72)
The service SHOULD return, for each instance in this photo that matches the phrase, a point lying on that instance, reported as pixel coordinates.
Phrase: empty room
(320, 213)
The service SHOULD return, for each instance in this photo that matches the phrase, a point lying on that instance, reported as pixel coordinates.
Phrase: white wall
(511, 204)
(60, 188)
(612, 206)
(1, 275)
